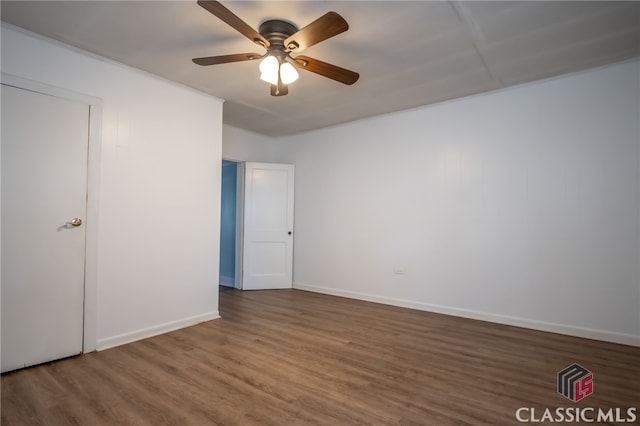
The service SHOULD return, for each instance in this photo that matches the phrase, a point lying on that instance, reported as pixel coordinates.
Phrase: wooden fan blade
(326, 70)
(327, 26)
(223, 59)
(217, 9)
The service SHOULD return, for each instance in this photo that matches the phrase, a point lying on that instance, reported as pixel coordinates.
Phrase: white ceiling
(407, 53)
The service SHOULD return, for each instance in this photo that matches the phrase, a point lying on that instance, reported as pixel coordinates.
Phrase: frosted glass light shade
(269, 70)
(288, 73)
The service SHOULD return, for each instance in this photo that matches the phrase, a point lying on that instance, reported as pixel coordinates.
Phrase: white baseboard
(144, 333)
(227, 281)
(607, 336)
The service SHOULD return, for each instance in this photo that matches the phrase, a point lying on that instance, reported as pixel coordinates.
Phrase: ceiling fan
(281, 39)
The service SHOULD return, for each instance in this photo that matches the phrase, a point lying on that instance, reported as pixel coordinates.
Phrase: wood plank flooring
(289, 357)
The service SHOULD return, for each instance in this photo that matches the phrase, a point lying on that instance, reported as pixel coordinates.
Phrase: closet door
(44, 192)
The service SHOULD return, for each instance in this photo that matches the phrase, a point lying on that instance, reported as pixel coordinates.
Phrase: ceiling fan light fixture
(269, 68)
(288, 73)
(280, 38)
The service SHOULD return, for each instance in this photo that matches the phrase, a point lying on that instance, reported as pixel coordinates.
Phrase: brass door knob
(76, 221)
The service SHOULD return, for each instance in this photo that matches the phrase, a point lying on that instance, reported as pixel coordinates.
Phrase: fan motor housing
(277, 31)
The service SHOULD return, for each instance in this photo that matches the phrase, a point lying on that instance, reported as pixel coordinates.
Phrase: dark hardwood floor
(289, 357)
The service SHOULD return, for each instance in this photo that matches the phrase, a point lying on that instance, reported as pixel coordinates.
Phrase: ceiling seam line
(475, 35)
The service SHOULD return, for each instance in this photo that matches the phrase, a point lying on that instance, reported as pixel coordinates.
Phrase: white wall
(158, 191)
(242, 145)
(518, 206)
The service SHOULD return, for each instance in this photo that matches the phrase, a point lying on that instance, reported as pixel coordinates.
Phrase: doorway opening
(231, 225)
(256, 225)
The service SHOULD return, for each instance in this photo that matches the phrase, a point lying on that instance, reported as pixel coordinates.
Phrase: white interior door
(44, 190)
(268, 226)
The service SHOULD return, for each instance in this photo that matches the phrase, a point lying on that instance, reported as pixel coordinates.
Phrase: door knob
(76, 221)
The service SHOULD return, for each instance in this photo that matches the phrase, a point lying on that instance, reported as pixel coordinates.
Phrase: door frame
(239, 224)
(89, 342)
